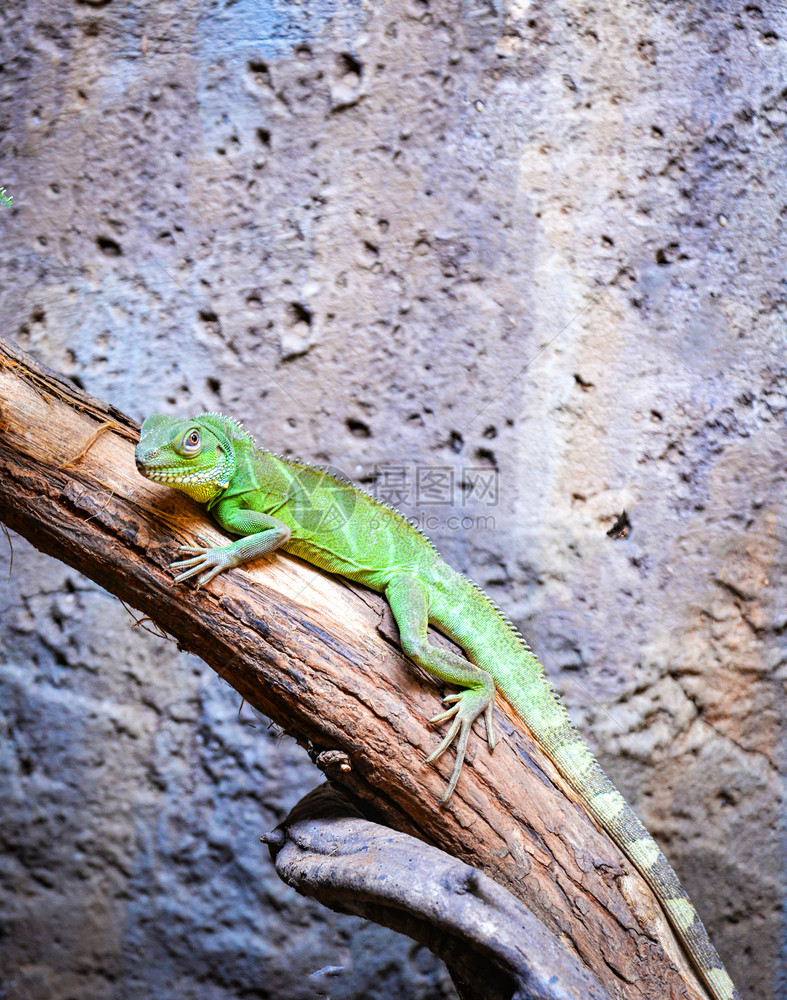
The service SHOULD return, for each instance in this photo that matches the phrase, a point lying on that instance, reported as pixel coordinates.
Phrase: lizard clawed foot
(203, 557)
(466, 707)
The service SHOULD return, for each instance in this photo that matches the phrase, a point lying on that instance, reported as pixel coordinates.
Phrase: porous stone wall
(517, 265)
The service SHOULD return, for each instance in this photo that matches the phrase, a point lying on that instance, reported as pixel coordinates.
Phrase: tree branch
(493, 945)
(320, 657)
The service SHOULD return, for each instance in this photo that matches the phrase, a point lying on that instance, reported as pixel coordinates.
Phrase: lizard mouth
(162, 474)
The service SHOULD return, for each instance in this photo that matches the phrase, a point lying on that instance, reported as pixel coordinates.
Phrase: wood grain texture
(320, 657)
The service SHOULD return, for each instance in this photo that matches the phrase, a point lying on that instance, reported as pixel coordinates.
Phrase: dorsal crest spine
(228, 425)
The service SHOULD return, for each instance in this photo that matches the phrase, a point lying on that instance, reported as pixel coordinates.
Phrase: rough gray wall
(537, 245)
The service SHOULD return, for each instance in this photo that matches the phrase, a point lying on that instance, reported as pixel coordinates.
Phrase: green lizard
(275, 503)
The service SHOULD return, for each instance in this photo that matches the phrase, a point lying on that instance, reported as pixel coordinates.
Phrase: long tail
(537, 705)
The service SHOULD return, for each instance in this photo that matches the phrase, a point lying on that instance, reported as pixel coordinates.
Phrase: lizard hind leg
(407, 597)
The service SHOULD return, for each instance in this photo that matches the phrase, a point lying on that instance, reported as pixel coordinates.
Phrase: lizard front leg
(262, 533)
(407, 597)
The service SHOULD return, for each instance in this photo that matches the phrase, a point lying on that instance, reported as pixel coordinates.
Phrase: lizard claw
(442, 716)
(467, 705)
(202, 558)
(198, 558)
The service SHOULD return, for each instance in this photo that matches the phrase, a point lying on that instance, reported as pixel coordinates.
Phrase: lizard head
(193, 455)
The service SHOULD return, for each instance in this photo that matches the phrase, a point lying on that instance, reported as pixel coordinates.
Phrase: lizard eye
(191, 443)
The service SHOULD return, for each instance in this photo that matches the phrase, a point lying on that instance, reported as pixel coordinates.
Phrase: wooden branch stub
(488, 939)
(312, 653)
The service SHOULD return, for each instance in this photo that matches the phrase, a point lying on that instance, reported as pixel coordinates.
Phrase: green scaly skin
(274, 503)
